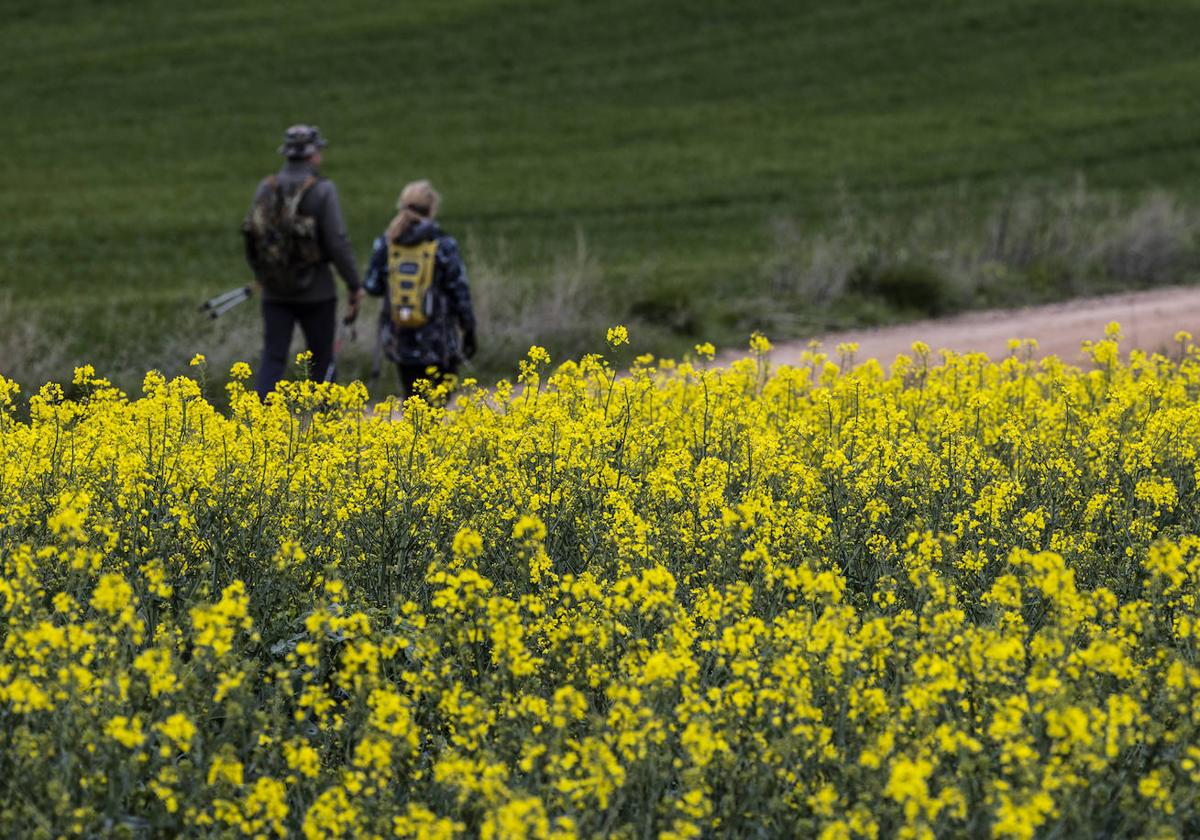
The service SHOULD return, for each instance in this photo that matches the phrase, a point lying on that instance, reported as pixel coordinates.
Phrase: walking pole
(377, 356)
(337, 350)
(218, 311)
(222, 303)
(345, 329)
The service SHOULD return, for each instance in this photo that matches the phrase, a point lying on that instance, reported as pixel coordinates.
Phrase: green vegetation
(665, 163)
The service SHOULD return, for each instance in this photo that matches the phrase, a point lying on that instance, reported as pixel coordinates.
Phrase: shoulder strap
(429, 254)
(294, 201)
(269, 190)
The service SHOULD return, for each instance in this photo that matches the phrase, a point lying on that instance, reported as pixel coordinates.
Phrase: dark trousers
(318, 322)
(410, 374)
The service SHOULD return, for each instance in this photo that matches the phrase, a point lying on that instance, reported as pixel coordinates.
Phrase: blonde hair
(418, 201)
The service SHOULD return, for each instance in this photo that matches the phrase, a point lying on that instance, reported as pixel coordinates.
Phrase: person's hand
(469, 346)
(352, 305)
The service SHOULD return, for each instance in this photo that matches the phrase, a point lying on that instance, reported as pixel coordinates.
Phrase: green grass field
(640, 154)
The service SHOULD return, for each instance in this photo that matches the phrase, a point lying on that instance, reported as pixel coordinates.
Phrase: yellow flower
(155, 665)
(215, 626)
(617, 336)
(179, 729)
(908, 785)
(332, 815)
(418, 821)
(227, 683)
(265, 808)
(759, 345)
(125, 731)
(225, 769)
(468, 545)
(240, 371)
(302, 758)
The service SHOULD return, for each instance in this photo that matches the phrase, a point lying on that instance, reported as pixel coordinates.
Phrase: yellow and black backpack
(410, 283)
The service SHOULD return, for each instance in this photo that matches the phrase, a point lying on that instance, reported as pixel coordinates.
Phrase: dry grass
(1030, 246)
(561, 308)
(1153, 245)
(27, 346)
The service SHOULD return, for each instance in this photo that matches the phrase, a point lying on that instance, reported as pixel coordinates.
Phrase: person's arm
(335, 241)
(458, 291)
(376, 279)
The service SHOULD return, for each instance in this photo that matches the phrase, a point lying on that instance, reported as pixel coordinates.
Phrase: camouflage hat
(302, 141)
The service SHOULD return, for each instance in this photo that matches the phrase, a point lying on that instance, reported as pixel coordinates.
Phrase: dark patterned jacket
(437, 342)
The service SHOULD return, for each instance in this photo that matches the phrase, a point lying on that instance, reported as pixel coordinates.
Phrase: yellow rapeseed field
(957, 597)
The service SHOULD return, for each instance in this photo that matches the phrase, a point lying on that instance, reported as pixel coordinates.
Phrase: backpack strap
(294, 201)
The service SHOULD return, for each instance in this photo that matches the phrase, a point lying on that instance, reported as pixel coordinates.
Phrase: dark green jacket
(320, 202)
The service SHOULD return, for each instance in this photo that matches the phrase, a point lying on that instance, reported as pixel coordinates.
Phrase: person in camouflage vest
(433, 350)
(311, 298)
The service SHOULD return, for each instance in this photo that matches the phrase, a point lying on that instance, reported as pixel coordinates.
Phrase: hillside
(642, 155)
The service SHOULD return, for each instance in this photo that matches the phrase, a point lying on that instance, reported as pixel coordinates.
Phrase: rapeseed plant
(958, 596)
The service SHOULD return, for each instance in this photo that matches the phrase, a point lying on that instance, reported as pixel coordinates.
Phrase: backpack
(410, 283)
(280, 242)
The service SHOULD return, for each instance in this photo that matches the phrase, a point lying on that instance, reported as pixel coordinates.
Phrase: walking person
(294, 231)
(427, 324)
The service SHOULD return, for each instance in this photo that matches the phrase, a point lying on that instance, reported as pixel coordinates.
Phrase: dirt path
(1149, 321)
